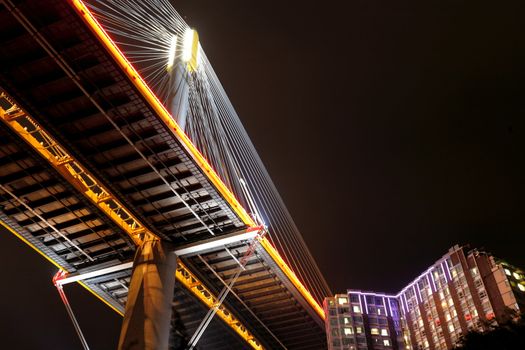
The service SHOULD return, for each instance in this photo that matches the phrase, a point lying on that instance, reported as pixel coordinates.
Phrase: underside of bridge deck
(55, 69)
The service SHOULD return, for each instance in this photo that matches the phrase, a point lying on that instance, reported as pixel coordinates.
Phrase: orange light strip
(74, 172)
(161, 111)
(291, 275)
(139, 83)
(191, 282)
(100, 298)
(22, 124)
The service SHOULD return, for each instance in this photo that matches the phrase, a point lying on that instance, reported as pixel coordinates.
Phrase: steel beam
(186, 250)
(203, 164)
(75, 173)
(84, 276)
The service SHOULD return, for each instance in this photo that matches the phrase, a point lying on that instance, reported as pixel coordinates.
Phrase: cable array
(144, 31)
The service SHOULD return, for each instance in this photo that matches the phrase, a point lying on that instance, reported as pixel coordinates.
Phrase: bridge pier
(148, 312)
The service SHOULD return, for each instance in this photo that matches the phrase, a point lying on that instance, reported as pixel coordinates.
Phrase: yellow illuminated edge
(10, 229)
(137, 80)
(73, 171)
(291, 275)
(32, 246)
(161, 110)
(100, 298)
(60, 163)
(191, 282)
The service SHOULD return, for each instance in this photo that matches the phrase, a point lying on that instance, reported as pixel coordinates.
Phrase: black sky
(392, 129)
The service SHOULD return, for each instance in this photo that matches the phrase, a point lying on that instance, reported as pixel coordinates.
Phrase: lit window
(346, 320)
(374, 331)
(451, 328)
(378, 311)
(356, 308)
(507, 272)
(447, 316)
(358, 330)
(521, 287)
(348, 331)
(386, 342)
(516, 275)
(384, 332)
(342, 301)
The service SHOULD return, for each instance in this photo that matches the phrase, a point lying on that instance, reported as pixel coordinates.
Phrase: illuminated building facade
(361, 320)
(464, 290)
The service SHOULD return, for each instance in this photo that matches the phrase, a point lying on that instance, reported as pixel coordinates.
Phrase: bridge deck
(109, 126)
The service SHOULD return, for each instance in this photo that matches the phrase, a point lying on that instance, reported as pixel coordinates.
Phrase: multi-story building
(360, 320)
(464, 290)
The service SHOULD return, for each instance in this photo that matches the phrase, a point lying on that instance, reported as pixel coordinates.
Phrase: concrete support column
(147, 318)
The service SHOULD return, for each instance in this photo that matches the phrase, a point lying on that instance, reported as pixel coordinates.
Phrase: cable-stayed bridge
(124, 164)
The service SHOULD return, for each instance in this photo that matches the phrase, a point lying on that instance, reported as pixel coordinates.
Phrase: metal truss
(87, 184)
(203, 164)
(191, 282)
(27, 128)
(32, 133)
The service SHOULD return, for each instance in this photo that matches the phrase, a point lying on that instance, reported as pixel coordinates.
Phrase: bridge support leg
(147, 318)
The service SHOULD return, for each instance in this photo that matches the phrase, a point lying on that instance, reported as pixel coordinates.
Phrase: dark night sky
(392, 129)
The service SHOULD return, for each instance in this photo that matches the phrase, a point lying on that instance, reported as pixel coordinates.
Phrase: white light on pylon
(187, 45)
(171, 54)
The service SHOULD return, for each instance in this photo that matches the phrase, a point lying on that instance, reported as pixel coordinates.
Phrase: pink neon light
(406, 302)
(366, 305)
(448, 270)
(444, 273)
(419, 292)
(433, 281)
(365, 294)
(430, 284)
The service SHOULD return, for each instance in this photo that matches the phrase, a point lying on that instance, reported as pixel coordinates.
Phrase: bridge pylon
(147, 317)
